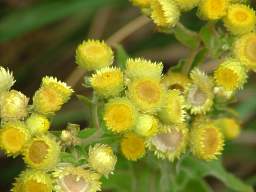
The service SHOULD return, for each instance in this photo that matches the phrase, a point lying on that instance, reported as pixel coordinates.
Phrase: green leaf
(215, 169)
(67, 157)
(121, 57)
(199, 59)
(186, 37)
(86, 132)
(85, 100)
(20, 22)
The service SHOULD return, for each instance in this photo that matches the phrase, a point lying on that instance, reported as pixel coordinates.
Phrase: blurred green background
(39, 37)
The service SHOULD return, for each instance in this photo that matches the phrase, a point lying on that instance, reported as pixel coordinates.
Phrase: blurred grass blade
(18, 23)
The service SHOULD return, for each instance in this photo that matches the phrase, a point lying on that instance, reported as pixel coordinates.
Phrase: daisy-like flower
(120, 115)
(206, 140)
(102, 159)
(231, 75)
(37, 123)
(13, 105)
(199, 94)
(51, 96)
(33, 180)
(186, 5)
(173, 110)
(42, 152)
(147, 94)
(175, 80)
(94, 54)
(240, 19)
(245, 49)
(170, 142)
(229, 126)
(164, 13)
(146, 126)
(133, 146)
(141, 3)
(6, 80)
(213, 9)
(76, 179)
(13, 136)
(61, 87)
(142, 68)
(108, 81)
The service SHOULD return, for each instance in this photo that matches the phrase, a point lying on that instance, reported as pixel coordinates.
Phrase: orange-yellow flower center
(241, 16)
(38, 151)
(32, 186)
(13, 139)
(211, 141)
(227, 78)
(250, 49)
(148, 91)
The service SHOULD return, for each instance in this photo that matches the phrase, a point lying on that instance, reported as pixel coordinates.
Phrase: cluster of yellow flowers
(166, 114)
(24, 131)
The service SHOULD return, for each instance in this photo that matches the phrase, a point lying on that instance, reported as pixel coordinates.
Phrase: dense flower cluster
(25, 131)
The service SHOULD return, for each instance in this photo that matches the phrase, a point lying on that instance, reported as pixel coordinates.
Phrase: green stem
(187, 66)
(94, 112)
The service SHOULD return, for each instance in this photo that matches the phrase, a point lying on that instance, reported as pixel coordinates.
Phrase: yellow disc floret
(170, 142)
(13, 105)
(120, 115)
(240, 19)
(229, 126)
(230, 75)
(6, 80)
(175, 80)
(94, 54)
(206, 140)
(102, 159)
(146, 126)
(199, 94)
(213, 9)
(142, 68)
(76, 179)
(33, 180)
(13, 136)
(37, 123)
(62, 88)
(42, 152)
(141, 3)
(108, 81)
(186, 5)
(147, 94)
(133, 146)
(173, 110)
(165, 13)
(245, 50)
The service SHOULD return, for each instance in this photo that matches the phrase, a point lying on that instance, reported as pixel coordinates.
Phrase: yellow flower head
(173, 110)
(141, 3)
(94, 54)
(186, 5)
(240, 19)
(213, 9)
(13, 105)
(132, 146)
(206, 140)
(175, 80)
(76, 179)
(230, 75)
(62, 88)
(37, 124)
(165, 13)
(108, 81)
(229, 126)
(51, 96)
(146, 126)
(147, 94)
(102, 159)
(199, 94)
(170, 143)
(33, 180)
(120, 115)
(13, 136)
(6, 80)
(42, 152)
(245, 50)
(142, 68)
